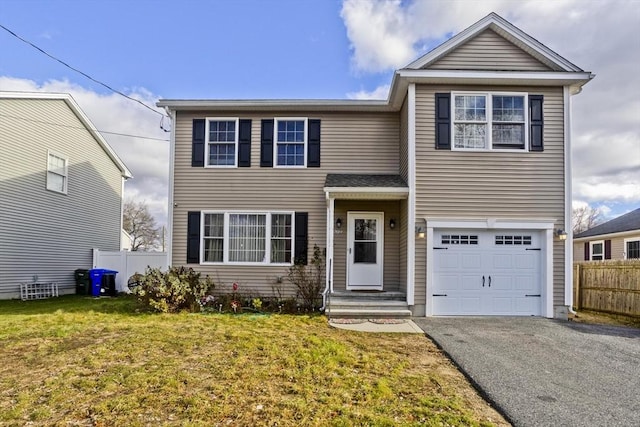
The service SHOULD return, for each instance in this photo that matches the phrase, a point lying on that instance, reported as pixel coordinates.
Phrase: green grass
(83, 361)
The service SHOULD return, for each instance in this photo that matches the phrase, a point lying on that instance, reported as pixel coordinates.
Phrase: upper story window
(597, 250)
(632, 248)
(221, 142)
(290, 142)
(485, 121)
(57, 172)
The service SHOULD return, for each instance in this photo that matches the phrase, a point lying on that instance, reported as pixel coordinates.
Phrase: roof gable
(627, 222)
(488, 51)
(506, 30)
(75, 108)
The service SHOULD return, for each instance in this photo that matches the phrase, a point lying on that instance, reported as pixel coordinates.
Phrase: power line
(85, 74)
(82, 128)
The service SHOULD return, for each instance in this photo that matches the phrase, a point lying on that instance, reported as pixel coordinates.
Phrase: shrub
(309, 279)
(177, 289)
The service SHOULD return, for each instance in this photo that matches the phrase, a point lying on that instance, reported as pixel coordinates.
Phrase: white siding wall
(45, 233)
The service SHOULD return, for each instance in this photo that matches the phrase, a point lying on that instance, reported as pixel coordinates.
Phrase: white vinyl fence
(128, 263)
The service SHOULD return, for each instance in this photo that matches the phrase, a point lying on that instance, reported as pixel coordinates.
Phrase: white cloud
(381, 92)
(147, 160)
(599, 36)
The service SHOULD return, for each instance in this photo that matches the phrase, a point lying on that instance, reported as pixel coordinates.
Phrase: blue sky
(238, 49)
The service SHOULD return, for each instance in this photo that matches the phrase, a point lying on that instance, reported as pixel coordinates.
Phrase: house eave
(366, 193)
(284, 105)
(575, 80)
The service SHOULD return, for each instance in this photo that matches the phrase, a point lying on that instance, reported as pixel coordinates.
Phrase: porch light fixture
(339, 223)
(420, 232)
(560, 234)
(392, 223)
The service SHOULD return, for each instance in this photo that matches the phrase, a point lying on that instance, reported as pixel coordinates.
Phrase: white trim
(411, 208)
(628, 240)
(379, 243)
(507, 30)
(541, 78)
(275, 141)
(64, 175)
(568, 201)
(546, 227)
(489, 122)
(225, 252)
(207, 143)
(591, 244)
(171, 202)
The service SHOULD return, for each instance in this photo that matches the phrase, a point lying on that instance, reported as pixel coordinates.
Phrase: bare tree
(140, 224)
(584, 218)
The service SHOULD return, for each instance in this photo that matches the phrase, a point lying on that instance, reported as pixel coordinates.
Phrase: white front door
(365, 250)
(480, 272)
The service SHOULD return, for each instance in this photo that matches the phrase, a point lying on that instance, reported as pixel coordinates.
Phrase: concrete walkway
(542, 372)
(377, 325)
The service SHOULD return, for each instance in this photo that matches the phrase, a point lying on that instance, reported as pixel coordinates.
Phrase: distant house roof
(627, 222)
(363, 180)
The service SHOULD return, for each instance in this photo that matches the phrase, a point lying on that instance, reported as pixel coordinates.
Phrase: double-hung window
(247, 238)
(597, 250)
(485, 121)
(290, 142)
(221, 142)
(57, 172)
(632, 248)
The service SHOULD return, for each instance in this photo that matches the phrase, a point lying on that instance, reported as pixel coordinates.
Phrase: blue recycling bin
(97, 275)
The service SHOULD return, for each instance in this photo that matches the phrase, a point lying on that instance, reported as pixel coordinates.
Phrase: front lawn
(84, 361)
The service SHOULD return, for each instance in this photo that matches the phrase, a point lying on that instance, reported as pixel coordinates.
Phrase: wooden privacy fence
(607, 286)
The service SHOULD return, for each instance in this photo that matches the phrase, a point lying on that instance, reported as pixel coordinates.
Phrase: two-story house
(452, 195)
(61, 189)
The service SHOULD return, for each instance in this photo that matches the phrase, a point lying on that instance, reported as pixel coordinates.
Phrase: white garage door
(487, 272)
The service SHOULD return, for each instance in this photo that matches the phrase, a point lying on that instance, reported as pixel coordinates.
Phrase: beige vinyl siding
(350, 143)
(391, 263)
(404, 234)
(45, 233)
(488, 51)
(618, 246)
(515, 185)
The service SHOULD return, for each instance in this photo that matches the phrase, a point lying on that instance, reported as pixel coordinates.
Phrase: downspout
(568, 188)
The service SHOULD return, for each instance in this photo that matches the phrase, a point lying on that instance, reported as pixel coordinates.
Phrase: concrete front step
(369, 295)
(346, 302)
(364, 313)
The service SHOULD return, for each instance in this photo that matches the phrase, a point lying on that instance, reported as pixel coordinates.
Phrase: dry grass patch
(81, 361)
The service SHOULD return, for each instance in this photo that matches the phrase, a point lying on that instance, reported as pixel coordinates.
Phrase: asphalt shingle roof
(364, 180)
(627, 222)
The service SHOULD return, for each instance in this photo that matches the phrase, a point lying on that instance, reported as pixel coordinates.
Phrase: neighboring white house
(61, 189)
(125, 241)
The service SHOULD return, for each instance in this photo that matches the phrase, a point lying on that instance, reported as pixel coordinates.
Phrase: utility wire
(82, 128)
(85, 74)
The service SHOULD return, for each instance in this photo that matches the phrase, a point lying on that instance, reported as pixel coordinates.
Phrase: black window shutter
(443, 121)
(536, 122)
(266, 144)
(607, 249)
(197, 143)
(193, 238)
(313, 141)
(244, 144)
(587, 256)
(301, 238)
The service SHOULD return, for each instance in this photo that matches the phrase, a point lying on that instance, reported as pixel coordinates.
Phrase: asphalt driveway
(543, 372)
